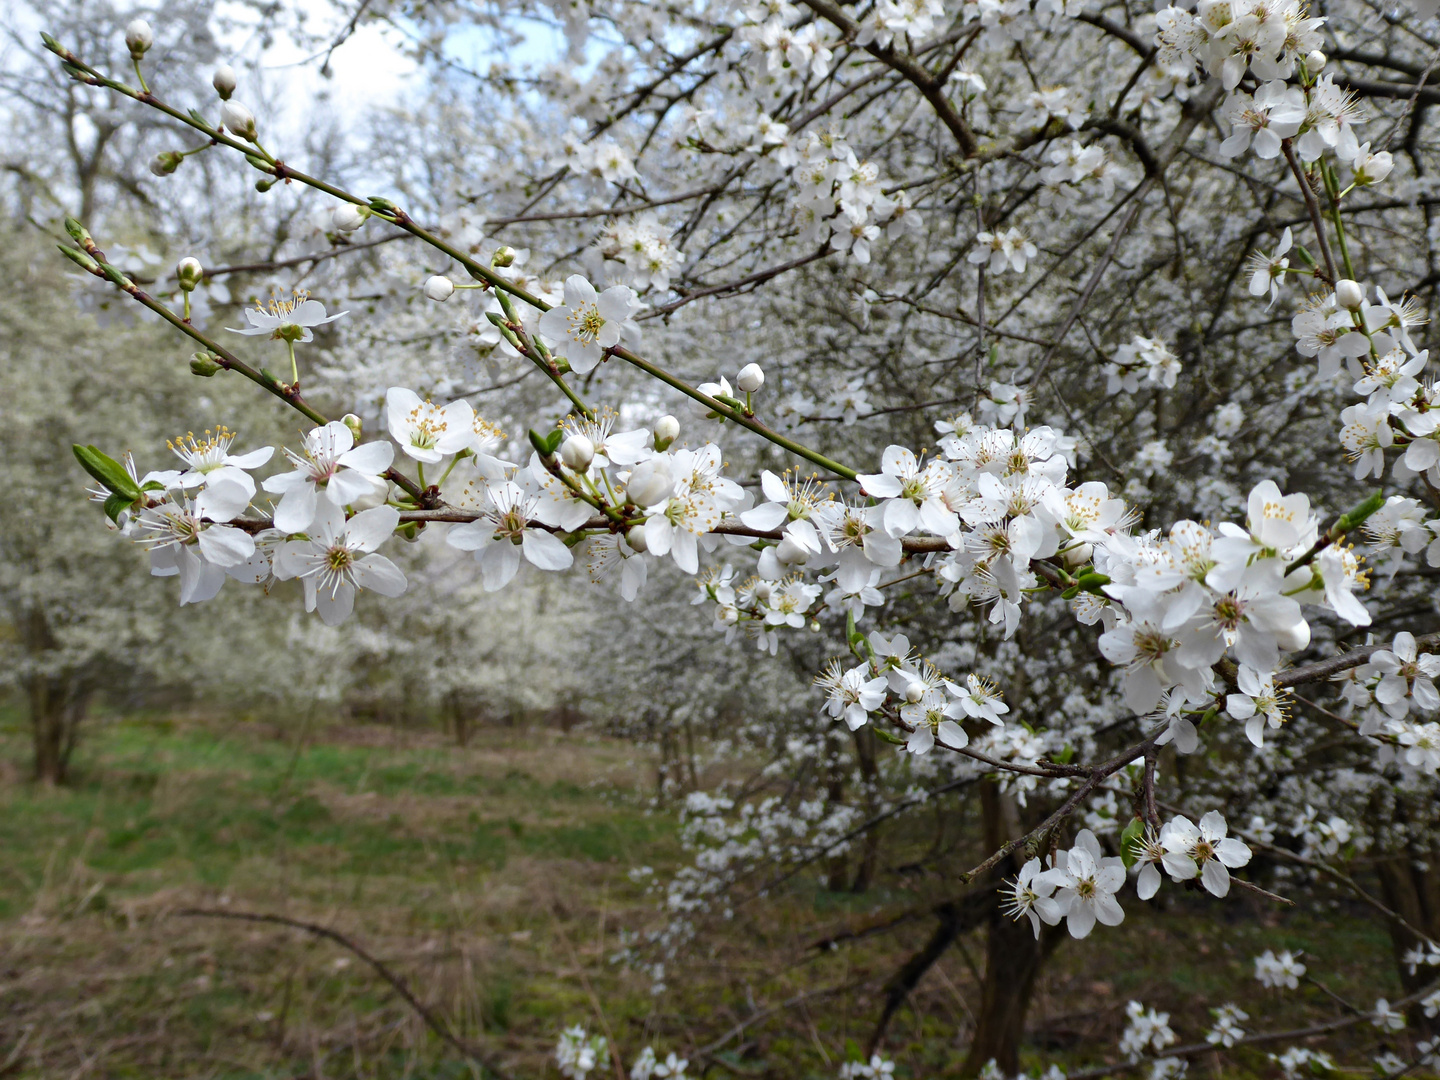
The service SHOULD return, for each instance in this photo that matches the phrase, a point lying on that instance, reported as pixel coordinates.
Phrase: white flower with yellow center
(425, 431)
(328, 463)
(337, 560)
(189, 538)
(289, 320)
(504, 532)
(208, 459)
(589, 323)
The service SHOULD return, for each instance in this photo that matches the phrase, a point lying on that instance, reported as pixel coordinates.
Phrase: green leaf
(552, 441)
(116, 503)
(1070, 593)
(887, 736)
(1093, 582)
(538, 442)
(108, 471)
(1133, 832)
(1305, 256)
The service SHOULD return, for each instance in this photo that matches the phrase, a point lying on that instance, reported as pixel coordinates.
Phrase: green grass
(493, 878)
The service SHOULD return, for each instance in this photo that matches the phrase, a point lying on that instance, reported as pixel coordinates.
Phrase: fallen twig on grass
(433, 1021)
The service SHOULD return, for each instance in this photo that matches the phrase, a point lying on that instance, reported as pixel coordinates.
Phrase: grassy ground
(493, 878)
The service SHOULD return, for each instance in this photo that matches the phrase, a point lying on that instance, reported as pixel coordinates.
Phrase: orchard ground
(495, 878)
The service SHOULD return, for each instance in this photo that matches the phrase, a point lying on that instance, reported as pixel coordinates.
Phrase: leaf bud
(636, 538)
(348, 217)
(667, 430)
(138, 38)
(204, 365)
(1349, 294)
(439, 288)
(224, 81)
(351, 421)
(78, 232)
(189, 273)
(650, 482)
(577, 452)
(750, 379)
(166, 162)
(504, 256)
(238, 120)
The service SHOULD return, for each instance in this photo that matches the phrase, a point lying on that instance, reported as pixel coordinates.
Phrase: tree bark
(1013, 956)
(56, 709)
(1410, 883)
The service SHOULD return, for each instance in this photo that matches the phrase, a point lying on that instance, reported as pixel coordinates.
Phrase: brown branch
(432, 1020)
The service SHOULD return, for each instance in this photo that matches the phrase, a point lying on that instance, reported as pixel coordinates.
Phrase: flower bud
(138, 38)
(650, 482)
(667, 430)
(504, 256)
(636, 538)
(763, 591)
(577, 452)
(351, 421)
(166, 162)
(189, 273)
(789, 553)
(1315, 62)
(224, 81)
(348, 217)
(914, 691)
(1349, 294)
(439, 288)
(728, 615)
(203, 365)
(1078, 555)
(238, 120)
(750, 379)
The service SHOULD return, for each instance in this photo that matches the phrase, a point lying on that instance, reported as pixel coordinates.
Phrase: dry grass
(493, 878)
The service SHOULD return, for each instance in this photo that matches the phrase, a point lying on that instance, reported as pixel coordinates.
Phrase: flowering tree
(1159, 311)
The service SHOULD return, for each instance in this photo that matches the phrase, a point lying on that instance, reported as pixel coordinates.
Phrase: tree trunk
(869, 777)
(1013, 960)
(57, 701)
(56, 709)
(1013, 957)
(1410, 883)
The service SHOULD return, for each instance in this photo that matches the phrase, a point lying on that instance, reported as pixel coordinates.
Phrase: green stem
(231, 362)
(401, 220)
(140, 75)
(294, 367)
(1332, 189)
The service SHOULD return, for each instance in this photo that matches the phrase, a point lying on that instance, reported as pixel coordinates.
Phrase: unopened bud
(503, 257)
(204, 365)
(138, 38)
(1349, 294)
(728, 615)
(577, 452)
(1315, 62)
(348, 217)
(1077, 556)
(636, 538)
(914, 691)
(166, 162)
(238, 120)
(189, 273)
(650, 482)
(789, 553)
(667, 430)
(224, 81)
(439, 288)
(750, 379)
(351, 421)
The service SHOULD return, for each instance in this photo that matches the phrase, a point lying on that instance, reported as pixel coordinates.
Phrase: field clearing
(493, 878)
